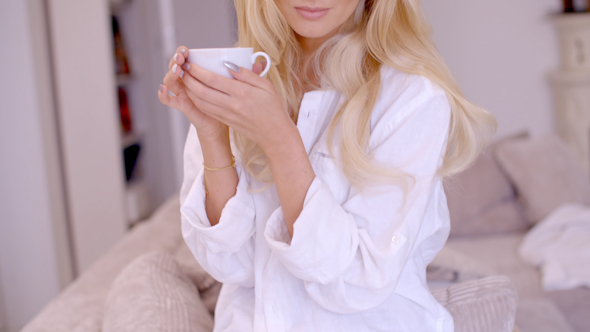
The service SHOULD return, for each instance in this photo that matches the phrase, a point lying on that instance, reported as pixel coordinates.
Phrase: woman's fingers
(238, 88)
(216, 112)
(179, 57)
(211, 79)
(167, 99)
(207, 93)
(173, 79)
(251, 78)
(184, 104)
(258, 67)
(183, 50)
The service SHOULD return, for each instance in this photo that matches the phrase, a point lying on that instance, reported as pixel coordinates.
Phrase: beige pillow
(483, 305)
(454, 266)
(153, 294)
(546, 174)
(208, 287)
(482, 200)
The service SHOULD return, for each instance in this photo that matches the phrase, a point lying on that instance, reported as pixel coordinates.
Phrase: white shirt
(356, 262)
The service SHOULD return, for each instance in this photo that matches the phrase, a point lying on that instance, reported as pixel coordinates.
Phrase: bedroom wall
(2, 311)
(89, 126)
(32, 268)
(500, 53)
(197, 24)
(205, 24)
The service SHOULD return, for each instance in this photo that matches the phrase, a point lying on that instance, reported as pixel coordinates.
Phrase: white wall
(205, 23)
(198, 24)
(33, 239)
(81, 39)
(3, 324)
(29, 256)
(53, 167)
(500, 52)
(3, 327)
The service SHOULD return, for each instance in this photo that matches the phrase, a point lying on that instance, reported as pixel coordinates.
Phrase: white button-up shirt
(357, 262)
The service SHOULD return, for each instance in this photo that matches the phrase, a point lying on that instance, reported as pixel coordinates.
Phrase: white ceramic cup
(212, 59)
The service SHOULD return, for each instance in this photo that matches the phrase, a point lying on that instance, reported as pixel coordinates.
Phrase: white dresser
(571, 84)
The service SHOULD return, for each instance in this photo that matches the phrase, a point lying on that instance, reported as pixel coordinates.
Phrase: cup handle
(262, 54)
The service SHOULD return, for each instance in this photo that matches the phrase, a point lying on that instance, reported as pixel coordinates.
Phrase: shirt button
(395, 239)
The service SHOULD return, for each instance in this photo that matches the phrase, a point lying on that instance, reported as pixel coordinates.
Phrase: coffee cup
(212, 59)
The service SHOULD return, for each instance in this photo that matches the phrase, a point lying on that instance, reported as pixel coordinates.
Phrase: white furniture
(151, 32)
(572, 84)
(150, 175)
(62, 185)
(88, 125)
(99, 202)
(34, 252)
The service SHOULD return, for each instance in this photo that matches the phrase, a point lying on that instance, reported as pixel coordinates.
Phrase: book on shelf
(121, 63)
(126, 124)
(130, 156)
(131, 150)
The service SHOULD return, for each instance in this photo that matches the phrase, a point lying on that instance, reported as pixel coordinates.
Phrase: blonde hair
(390, 32)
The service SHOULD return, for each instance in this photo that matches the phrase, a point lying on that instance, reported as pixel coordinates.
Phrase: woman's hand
(206, 126)
(249, 104)
(252, 107)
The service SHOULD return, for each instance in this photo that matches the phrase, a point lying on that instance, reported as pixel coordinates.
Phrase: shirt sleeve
(225, 250)
(351, 255)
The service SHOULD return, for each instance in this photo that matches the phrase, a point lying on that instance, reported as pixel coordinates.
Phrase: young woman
(322, 208)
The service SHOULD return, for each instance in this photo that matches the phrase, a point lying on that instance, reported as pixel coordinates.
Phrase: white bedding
(560, 246)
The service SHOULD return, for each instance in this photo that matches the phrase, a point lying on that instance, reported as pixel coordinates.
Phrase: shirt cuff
(312, 254)
(236, 224)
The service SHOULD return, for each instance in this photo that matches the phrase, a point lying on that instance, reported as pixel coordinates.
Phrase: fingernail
(176, 57)
(186, 66)
(182, 50)
(231, 66)
(174, 69)
(181, 74)
(161, 88)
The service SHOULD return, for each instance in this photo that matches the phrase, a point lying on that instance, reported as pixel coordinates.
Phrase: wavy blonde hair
(391, 32)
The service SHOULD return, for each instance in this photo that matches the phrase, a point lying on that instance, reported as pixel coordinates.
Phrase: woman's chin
(311, 33)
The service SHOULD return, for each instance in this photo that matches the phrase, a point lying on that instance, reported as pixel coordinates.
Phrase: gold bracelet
(233, 164)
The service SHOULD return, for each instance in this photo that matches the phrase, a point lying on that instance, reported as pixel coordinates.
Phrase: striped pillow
(152, 294)
(481, 305)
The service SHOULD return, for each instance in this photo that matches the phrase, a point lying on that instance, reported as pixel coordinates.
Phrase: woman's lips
(312, 13)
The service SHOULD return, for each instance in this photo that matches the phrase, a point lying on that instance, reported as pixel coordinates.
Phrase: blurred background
(87, 150)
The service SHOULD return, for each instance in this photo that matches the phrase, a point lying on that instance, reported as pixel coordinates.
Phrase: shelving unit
(571, 84)
(151, 30)
(137, 195)
(152, 179)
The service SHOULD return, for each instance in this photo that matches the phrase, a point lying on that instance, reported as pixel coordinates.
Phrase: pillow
(208, 287)
(482, 200)
(152, 294)
(483, 305)
(453, 266)
(546, 174)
